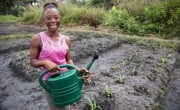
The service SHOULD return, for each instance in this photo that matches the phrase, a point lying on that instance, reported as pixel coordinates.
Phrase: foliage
(14, 7)
(122, 19)
(160, 18)
(72, 15)
(32, 15)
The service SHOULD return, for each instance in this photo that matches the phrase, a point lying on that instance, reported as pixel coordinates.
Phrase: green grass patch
(157, 42)
(14, 36)
(8, 18)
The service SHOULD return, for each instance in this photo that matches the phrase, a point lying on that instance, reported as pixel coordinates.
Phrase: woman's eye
(48, 18)
(56, 17)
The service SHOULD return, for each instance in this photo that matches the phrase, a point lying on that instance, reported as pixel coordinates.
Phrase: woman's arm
(34, 55)
(34, 52)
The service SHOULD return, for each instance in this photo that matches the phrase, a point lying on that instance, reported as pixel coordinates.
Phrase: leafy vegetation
(145, 19)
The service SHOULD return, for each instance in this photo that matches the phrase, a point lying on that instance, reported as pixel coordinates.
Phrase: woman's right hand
(50, 66)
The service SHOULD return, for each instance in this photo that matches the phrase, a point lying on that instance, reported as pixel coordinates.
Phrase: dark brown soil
(148, 73)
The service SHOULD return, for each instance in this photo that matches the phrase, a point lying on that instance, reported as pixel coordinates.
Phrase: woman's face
(52, 19)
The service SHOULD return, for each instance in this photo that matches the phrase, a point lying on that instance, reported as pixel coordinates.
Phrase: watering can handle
(41, 82)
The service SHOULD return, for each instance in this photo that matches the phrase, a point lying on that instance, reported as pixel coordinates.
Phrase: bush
(32, 15)
(122, 19)
(73, 15)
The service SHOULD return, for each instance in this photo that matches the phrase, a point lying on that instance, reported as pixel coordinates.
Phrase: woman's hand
(87, 73)
(51, 66)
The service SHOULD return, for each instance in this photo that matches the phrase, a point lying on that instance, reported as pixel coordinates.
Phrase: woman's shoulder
(37, 36)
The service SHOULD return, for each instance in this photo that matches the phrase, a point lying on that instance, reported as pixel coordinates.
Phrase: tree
(10, 6)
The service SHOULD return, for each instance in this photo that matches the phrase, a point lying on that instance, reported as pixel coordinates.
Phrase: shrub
(32, 15)
(73, 15)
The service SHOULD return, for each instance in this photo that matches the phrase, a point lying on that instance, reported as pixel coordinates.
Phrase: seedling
(123, 62)
(19, 57)
(136, 53)
(169, 56)
(156, 106)
(121, 79)
(141, 65)
(108, 92)
(162, 91)
(92, 104)
(89, 81)
(114, 67)
(151, 77)
(130, 58)
(163, 60)
(133, 71)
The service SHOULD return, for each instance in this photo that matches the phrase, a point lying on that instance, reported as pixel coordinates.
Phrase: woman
(50, 48)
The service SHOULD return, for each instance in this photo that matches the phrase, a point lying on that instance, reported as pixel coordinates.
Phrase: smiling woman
(49, 48)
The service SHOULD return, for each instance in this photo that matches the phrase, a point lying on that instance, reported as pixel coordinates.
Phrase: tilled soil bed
(125, 77)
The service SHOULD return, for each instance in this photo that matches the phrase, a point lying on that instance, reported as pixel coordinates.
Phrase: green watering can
(65, 88)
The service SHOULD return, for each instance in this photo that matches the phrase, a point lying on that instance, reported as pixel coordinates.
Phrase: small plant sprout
(169, 56)
(123, 62)
(108, 92)
(19, 57)
(89, 81)
(151, 77)
(163, 60)
(121, 79)
(92, 104)
(136, 53)
(156, 106)
(162, 91)
(141, 65)
(114, 67)
(133, 71)
(130, 58)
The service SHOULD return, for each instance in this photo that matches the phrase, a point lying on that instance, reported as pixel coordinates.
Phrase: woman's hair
(49, 5)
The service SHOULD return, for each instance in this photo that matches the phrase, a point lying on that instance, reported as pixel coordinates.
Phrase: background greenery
(139, 17)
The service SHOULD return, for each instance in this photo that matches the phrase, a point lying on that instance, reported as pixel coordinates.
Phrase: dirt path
(146, 71)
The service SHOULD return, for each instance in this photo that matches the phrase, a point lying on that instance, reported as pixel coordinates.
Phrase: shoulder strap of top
(44, 37)
(63, 39)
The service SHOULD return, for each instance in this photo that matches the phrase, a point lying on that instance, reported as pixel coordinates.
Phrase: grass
(14, 36)
(8, 18)
(171, 44)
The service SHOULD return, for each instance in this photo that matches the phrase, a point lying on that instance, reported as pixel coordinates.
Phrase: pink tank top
(54, 51)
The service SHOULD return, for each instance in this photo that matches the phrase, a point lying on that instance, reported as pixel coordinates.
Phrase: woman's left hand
(87, 73)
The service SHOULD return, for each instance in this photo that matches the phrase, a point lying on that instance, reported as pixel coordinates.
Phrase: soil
(150, 75)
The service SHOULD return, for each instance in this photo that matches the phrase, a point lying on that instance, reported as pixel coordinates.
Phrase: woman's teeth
(53, 26)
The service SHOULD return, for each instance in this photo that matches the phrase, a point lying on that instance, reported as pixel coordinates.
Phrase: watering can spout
(88, 66)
